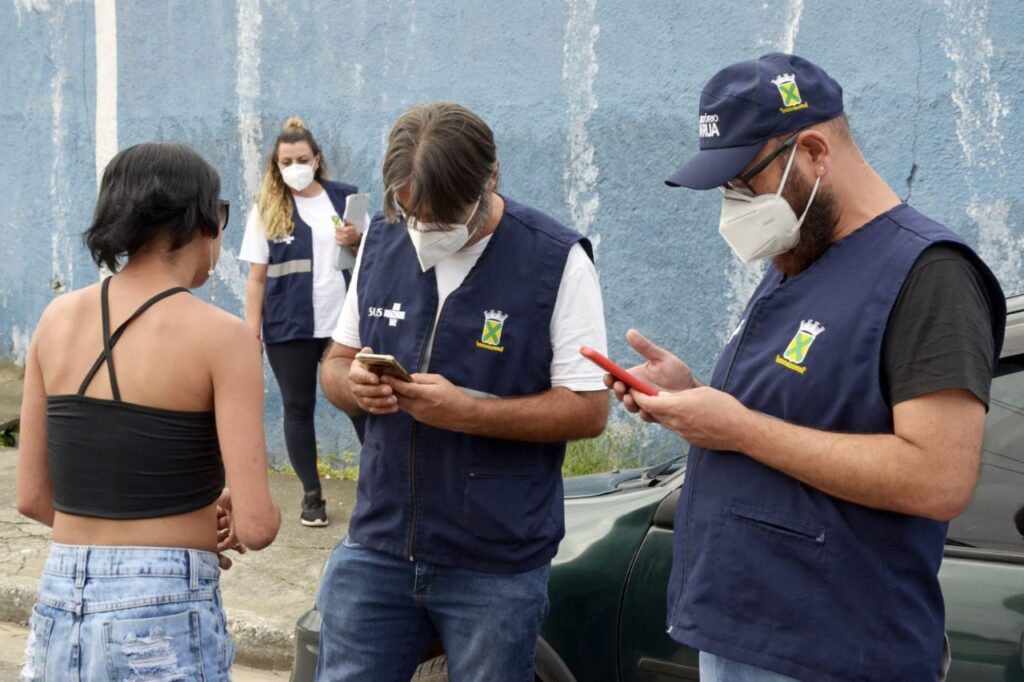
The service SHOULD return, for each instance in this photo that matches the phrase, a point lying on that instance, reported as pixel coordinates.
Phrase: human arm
(256, 251)
(347, 235)
(236, 371)
(554, 415)
(936, 369)
(557, 414)
(927, 467)
(661, 368)
(34, 488)
(351, 387)
(254, 290)
(226, 537)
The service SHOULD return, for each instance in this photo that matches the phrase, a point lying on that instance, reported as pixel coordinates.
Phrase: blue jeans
(381, 612)
(125, 613)
(717, 669)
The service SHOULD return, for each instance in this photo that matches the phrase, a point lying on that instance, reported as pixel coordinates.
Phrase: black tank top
(115, 460)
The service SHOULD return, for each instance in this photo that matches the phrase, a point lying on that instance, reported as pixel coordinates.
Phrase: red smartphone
(616, 371)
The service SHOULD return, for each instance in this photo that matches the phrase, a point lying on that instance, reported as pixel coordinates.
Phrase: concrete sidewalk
(264, 592)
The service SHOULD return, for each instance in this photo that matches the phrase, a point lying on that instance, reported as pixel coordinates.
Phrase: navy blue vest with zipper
(288, 297)
(451, 498)
(780, 575)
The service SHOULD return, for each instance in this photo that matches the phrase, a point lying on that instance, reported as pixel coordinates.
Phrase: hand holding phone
(379, 363)
(622, 375)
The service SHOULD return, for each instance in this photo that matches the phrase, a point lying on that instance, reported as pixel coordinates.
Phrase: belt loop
(193, 570)
(81, 566)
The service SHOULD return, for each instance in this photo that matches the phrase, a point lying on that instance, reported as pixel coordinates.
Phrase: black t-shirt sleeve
(940, 331)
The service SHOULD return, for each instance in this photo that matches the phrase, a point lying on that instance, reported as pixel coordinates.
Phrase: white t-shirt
(328, 282)
(577, 319)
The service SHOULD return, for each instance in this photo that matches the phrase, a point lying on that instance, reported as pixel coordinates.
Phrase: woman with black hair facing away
(292, 241)
(138, 398)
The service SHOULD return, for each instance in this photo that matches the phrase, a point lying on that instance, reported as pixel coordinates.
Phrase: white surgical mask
(761, 226)
(437, 242)
(298, 176)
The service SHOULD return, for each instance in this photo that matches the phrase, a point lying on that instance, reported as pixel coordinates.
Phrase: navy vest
(780, 575)
(450, 498)
(288, 297)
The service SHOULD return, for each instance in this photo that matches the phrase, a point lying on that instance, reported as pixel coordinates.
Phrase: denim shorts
(128, 613)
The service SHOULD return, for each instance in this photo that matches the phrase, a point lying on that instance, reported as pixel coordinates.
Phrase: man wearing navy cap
(842, 426)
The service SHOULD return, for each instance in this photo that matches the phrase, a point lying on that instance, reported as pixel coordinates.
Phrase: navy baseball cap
(746, 104)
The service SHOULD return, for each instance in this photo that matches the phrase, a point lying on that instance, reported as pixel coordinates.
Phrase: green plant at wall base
(344, 473)
(330, 465)
(9, 431)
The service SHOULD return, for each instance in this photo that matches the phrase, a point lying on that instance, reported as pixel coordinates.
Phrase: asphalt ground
(264, 592)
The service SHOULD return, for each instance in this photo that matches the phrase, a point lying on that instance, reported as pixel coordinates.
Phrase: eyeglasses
(741, 184)
(223, 212)
(424, 226)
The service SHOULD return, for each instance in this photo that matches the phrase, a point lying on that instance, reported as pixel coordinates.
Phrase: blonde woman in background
(295, 289)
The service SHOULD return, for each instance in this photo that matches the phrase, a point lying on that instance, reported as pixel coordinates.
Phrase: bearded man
(842, 427)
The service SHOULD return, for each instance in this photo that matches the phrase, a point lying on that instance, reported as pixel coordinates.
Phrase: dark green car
(608, 581)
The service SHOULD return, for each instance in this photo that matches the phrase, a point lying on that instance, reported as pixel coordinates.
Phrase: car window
(991, 520)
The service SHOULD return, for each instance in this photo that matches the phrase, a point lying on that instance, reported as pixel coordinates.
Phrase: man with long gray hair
(459, 508)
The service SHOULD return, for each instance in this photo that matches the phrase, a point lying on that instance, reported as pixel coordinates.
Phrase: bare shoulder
(221, 329)
(66, 309)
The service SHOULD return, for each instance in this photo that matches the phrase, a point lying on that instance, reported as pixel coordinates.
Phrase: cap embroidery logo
(796, 352)
(494, 323)
(791, 99)
(709, 125)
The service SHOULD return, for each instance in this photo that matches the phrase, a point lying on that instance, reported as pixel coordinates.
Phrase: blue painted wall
(592, 102)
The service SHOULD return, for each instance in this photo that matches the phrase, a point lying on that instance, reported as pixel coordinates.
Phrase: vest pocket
(775, 523)
(495, 505)
(772, 567)
(275, 315)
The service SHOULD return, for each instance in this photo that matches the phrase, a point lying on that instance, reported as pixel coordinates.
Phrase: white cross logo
(394, 315)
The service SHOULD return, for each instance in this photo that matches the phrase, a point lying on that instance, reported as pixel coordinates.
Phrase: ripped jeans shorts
(128, 613)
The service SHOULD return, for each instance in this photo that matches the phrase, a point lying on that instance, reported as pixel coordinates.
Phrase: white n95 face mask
(761, 226)
(435, 242)
(298, 176)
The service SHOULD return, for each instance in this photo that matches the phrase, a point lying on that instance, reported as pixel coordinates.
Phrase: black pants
(295, 368)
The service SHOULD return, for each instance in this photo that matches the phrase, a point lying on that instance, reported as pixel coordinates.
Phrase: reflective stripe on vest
(290, 267)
